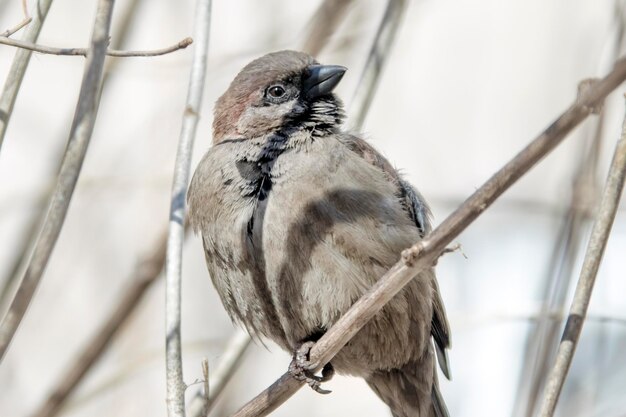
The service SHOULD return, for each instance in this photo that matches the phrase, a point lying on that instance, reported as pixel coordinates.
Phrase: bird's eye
(276, 91)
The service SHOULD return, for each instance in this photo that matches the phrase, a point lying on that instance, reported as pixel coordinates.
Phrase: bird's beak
(321, 79)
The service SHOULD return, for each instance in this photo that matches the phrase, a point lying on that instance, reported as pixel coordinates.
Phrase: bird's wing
(413, 202)
(440, 330)
(419, 212)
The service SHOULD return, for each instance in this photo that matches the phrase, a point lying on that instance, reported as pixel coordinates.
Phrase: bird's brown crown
(272, 91)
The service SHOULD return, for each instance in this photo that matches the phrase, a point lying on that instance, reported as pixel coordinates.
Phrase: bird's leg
(300, 368)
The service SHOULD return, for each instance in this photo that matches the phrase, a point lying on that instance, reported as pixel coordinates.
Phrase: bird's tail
(411, 391)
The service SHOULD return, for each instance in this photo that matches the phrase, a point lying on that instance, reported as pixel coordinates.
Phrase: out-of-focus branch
(324, 23)
(228, 364)
(11, 31)
(595, 249)
(424, 253)
(376, 59)
(83, 51)
(173, 264)
(80, 134)
(18, 67)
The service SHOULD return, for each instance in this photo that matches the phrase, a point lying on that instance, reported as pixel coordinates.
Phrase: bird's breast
(305, 235)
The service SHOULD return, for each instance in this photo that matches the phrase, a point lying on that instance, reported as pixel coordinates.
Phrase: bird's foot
(300, 369)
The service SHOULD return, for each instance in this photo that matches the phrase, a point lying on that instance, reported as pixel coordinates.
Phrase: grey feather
(298, 220)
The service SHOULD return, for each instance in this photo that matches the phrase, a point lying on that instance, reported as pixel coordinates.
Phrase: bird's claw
(300, 369)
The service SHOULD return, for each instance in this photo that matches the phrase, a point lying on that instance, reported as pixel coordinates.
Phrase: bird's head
(280, 90)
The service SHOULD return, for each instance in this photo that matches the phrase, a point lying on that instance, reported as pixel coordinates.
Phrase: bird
(299, 217)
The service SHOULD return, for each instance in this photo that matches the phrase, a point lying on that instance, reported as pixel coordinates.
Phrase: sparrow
(299, 218)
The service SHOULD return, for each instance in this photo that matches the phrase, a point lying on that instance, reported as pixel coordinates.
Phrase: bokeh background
(467, 84)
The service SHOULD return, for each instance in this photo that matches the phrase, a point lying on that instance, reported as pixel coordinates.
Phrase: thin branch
(78, 142)
(424, 253)
(11, 31)
(173, 264)
(155, 52)
(14, 79)
(83, 51)
(595, 249)
(229, 363)
(378, 56)
(324, 23)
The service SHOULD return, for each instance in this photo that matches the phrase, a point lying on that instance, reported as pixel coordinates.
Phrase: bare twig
(424, 253)
(173, 265)
(378, 55)
(83, 51)
(324, 23)
(11, 31)
(233, 352)
(18, 67)
(80, 133)
(595, 249)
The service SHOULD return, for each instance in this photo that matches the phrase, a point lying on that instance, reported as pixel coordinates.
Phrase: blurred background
(466, 84)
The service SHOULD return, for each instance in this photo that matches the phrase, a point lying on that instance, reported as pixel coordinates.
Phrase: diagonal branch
(14, 29)
(425, 253)
(324, 23)
(83, 51)
(173, 264)
(595, 249)
(78, 142)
